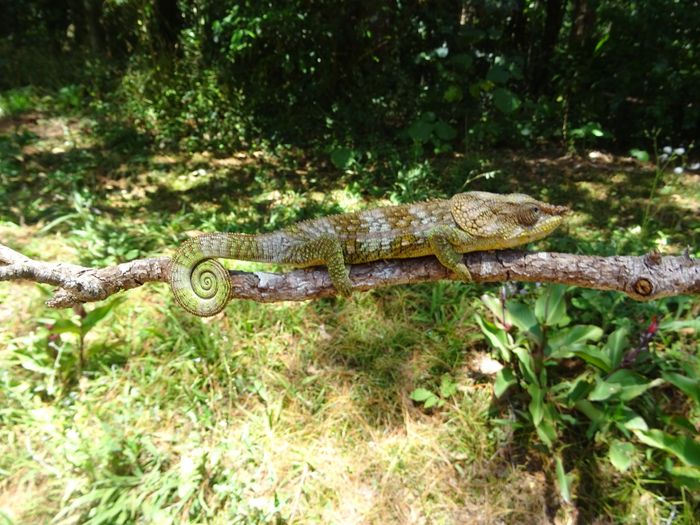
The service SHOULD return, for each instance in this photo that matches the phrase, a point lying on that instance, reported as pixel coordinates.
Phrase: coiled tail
(201, 285)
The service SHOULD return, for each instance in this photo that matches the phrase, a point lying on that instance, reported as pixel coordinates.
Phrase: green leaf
(505, 378)
(342, 158)
(432, 401)
(505, 100)
(632, 421)
(567, 340)
(63, 326)
(690, 387)
(599, 45)
(523, 317)
(680, 324)
(444, 131)
(621, 454)
(563, 480)
(527, 366)
(615, 346)
(453, 93)
(640, 154)
(546, 432)
(463, 60)
(589, 410)
(448, 387)
(420, 131)
(30, 364)
(496, 336)
(578, 390)
(683, 447)
(99, 313)
(421, 394)
(688, 477)
(596, 357)
(622, 384)
(536, 405)
(494, 305)
(498, 75)
(550, 307)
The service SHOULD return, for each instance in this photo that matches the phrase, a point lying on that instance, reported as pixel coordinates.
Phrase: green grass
(288, 413)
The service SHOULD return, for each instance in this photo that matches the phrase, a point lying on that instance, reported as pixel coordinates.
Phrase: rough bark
(642, 278)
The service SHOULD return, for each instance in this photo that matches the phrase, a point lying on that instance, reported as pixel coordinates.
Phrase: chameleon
(445, 228)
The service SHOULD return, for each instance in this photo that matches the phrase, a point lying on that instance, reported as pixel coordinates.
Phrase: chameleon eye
(528, 216)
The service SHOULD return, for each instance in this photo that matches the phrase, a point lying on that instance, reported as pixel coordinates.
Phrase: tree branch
(641, 277)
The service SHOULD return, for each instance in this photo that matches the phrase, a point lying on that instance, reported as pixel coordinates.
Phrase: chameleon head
(504, 221)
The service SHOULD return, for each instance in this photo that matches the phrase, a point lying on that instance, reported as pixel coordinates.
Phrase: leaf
(498, 74)
(640, 154)
(571, 339)
(505, 100)
(680, 324)
(505, 378)
(536, 405)
(599, 45)
(462, 59)
(622, 384)
(30, 364)
(546, 432)
(494, 305)
(63, 326)
(448, 387)
(496, 336)
(633, 421)
(453, 93)
(596, 357)
(688, 477)
(621, 454)
(683, 447)
(420, 131)
(524, 318)
(689, 386)
(615, 346)
(444, 131)
(526, 365)
(589, 410)
(342, 158)
(550, 307)
(99, 313)
(421, 394)
(563, 480)
(432, 401)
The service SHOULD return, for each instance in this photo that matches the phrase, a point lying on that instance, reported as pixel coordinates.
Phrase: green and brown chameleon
(467, 222)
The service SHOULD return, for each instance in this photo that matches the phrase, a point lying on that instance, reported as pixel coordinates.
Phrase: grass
(284, 413)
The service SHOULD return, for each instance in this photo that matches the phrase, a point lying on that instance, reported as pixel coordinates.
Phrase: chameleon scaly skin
(467, 222)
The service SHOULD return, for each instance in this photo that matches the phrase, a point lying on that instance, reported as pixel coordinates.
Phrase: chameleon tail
(201, 285)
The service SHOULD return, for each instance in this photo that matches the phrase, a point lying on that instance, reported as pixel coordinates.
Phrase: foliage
(565, 380)
(443, 77)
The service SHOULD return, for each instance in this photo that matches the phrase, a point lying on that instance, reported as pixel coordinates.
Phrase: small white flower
(663, 157)
(678, 170)
(668, 150)
(679, 151)
(694, 166)
(442, 51)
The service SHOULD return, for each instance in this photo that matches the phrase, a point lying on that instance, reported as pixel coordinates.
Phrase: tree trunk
(554, 17)
(93, 11)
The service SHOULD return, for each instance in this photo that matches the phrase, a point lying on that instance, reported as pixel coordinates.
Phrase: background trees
(448, 75)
